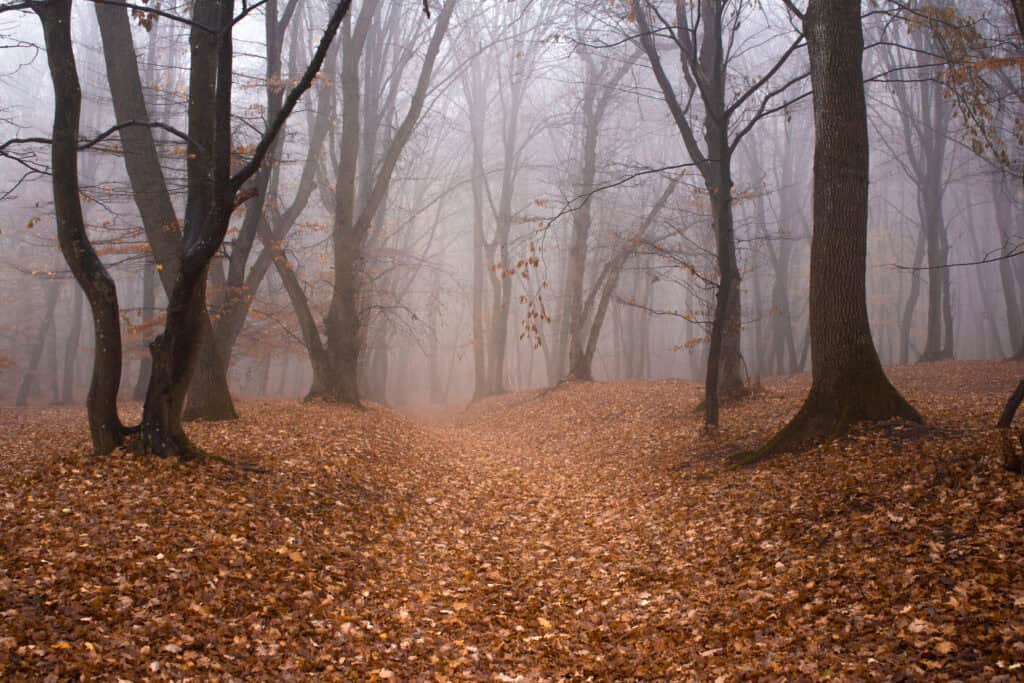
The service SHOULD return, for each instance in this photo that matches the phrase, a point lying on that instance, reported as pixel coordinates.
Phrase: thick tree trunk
(105, 425)
(209, 397)
(213, 398)
(343, 324)
(848, 382)
(176, 350)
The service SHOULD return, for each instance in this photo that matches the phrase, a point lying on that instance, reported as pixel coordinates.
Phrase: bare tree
(848, 382)
(704, 34)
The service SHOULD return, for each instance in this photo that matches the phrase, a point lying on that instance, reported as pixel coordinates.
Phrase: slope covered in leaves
(154, 568)
(588, 532)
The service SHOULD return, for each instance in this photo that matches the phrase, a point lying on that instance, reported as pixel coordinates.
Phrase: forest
(512, 340)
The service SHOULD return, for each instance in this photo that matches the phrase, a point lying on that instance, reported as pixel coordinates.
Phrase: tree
(151, 194)
(925, 115)
(594, 307)
(213, 194)
(336, 362)
(704, 33)
(513, 68)
(599, 89)
(848, 383)
(105, 426)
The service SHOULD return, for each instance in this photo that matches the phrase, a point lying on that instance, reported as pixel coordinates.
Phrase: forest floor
(590, 532)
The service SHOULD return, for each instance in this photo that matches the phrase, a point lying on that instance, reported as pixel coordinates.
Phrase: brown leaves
(585, 532)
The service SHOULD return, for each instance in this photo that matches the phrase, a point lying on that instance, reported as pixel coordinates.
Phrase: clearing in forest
(585, 533)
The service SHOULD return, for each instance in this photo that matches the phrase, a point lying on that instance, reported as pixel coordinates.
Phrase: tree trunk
(988, 305)
(213, 398)
(848, 382)
(54, 367)
(105, 425)
(476, 97)
(938, 342)
(1004, 229)
(907, 322)
(148, 310)
(209, 397)
(724, 378)
(344, 328)
(175, 353)
(343, 323)
(318, 358)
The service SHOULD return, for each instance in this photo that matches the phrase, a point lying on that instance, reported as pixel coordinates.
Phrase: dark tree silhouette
(848, 382)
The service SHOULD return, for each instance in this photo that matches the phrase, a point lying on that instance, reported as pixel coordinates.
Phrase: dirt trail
(593, 533)
(519, 558)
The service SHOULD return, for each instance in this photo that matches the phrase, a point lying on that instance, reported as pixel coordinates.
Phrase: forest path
(526, 552)
(586, 533)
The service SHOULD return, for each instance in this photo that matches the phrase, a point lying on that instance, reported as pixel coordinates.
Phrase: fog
(504, 198)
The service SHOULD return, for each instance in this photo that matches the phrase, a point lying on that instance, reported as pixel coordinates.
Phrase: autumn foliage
(590, 532)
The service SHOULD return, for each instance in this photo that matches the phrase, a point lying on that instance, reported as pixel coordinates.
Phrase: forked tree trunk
(848, 382)
(105, 425)
(151, 195)
(211, 196)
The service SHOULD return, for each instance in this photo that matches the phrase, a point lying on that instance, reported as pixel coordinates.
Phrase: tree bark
(148, 310)
(212, 191)
(848, 382)
(105, 425)
(149, 190)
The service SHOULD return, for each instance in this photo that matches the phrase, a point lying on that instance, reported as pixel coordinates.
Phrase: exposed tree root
(826, 415)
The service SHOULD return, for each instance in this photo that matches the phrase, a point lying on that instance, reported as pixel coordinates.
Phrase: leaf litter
(594, 532)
